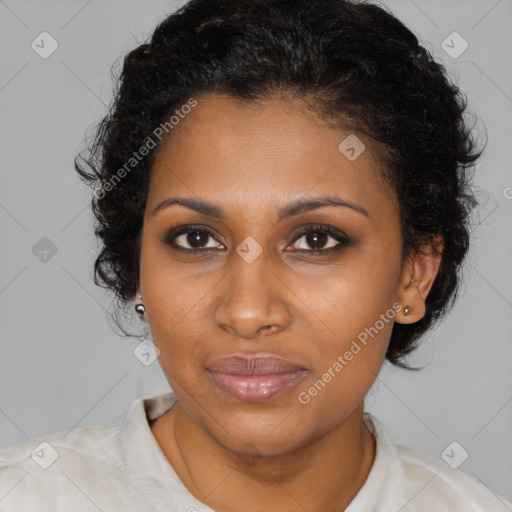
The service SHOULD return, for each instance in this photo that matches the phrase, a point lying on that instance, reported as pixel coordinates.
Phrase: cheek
(176, 296)
(347, 363)
(357, 317)
(354, 294)
(172, 290)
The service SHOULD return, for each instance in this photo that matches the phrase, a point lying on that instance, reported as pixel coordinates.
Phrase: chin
(258, 432)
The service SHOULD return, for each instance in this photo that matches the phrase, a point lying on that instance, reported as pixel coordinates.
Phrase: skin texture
(250, 161)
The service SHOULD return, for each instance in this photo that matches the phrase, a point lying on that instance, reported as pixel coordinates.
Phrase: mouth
(255, 379)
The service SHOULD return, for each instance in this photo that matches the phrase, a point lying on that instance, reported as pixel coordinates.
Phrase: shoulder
(82, 443)
(112, 466)
(435, 486)
(409, 480)
(41, 473)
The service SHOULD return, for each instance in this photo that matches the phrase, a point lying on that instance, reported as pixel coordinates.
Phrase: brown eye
(321, 239)
(196, 239)
(190, 239)
(317, 239)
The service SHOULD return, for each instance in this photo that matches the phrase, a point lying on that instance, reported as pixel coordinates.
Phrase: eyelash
(343, 241)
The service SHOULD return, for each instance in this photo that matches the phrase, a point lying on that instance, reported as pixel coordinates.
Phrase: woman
(282, 186)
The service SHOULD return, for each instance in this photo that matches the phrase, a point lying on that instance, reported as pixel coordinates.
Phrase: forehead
(265, 153)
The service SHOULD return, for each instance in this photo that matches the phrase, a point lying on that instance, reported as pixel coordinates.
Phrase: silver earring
(407, 310)
(140, 308)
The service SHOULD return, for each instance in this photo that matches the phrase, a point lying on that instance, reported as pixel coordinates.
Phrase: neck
(323, 474)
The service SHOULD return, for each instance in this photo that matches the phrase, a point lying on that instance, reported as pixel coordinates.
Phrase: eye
(195, 237)
(198, 238)
(318, 237)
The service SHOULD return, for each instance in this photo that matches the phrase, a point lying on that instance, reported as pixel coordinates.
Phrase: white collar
(161, 487)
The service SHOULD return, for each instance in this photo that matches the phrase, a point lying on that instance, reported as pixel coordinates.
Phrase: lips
(260, 365)
(254, 379)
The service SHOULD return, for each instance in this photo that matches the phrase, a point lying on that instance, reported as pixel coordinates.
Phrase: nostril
(267, 329)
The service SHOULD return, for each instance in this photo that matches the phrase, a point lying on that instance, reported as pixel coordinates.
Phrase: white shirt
(119, 466)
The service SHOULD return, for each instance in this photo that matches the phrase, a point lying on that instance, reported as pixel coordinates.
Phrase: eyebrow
(290, 210)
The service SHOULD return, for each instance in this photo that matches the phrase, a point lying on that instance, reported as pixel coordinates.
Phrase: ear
(138, 301)
(417, 278)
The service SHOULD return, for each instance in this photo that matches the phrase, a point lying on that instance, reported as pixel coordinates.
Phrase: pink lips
(254, 379)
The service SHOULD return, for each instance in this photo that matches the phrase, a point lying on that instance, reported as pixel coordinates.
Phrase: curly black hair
(353, 62)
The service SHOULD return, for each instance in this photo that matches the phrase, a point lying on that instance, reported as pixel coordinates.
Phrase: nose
(253, 301)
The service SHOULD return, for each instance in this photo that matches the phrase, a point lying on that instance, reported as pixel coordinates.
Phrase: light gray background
(60, 363)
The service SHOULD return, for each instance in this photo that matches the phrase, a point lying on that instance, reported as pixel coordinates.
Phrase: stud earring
(140, 308)
(407, 310)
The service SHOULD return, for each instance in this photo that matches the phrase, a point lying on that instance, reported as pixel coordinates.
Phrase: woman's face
(241, 278)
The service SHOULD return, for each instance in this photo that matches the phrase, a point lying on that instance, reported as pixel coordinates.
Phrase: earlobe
(139, 307)
(419, 275)
(411, 305)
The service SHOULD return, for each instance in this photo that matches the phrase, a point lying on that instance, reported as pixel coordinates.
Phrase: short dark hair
(354, 62)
